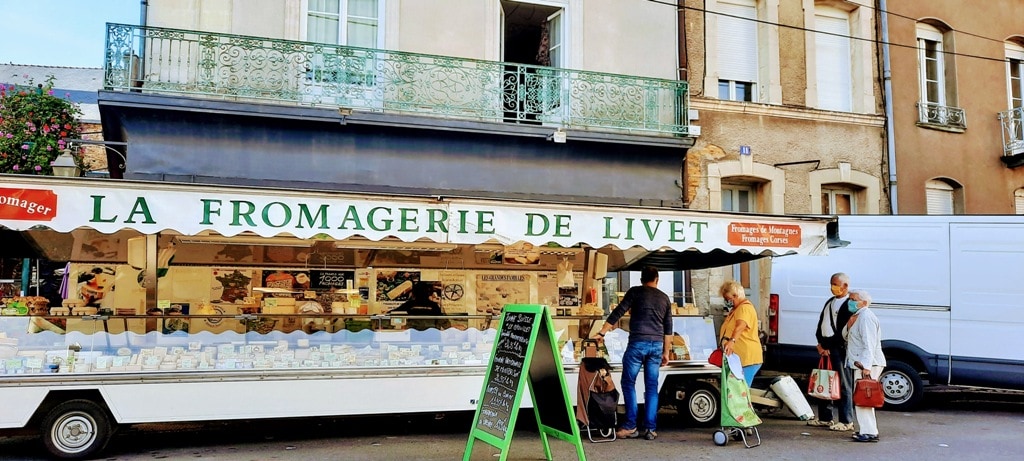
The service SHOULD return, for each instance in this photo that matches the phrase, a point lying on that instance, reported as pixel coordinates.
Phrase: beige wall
(971, 158)
(631, 37)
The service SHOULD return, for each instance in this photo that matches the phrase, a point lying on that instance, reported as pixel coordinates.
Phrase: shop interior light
(392, 245)
(245, 240)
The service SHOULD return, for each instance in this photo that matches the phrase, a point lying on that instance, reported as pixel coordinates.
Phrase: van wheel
(902, 386)
(700, 406)
(76, 429)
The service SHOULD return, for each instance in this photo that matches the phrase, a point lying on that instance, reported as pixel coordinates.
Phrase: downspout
(890, 140)
(143, 20)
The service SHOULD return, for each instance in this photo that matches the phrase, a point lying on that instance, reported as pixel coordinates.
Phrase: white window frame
(746, 56)
(832, 192)
(1014, 61)
(343, 20)
(833, 59)
(925, 34)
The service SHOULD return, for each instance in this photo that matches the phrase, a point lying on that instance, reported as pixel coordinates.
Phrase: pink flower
(24, 146)
(49, 148)
(15, 168)
(38, 168)
(51, 94)
(9, 135)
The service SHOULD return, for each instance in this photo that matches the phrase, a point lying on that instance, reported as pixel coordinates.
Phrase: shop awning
(66, 204)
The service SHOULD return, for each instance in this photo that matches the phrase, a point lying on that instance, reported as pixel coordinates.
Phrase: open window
(535, 89)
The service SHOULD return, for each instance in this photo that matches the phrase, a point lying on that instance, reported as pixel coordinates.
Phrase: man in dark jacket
(650, 341)
(834, 316)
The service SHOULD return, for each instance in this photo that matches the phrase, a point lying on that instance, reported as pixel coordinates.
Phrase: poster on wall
(547, 288)
(394, 286)
(295, 281)
(94, 283)
(231, 285)
(521, 253)
(327, 280)
(494, 291)
(454, 299)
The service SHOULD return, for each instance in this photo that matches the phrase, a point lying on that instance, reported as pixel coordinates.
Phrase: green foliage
(33, 126)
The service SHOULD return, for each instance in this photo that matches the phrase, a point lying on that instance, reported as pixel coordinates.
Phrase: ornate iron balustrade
(947, 116)
(1013, 131)
(203, 64)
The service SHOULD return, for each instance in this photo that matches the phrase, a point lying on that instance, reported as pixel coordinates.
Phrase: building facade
(789, 101)
(957, 89)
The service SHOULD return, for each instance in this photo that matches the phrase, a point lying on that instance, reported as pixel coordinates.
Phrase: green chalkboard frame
(544, 377)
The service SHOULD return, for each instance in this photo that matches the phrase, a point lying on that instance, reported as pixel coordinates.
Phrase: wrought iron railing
(1013, 131)
(204, 64)
(947, 116)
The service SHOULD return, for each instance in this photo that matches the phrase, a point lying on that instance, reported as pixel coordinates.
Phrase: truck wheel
(700, 406)
(76, 429)
(902, 386)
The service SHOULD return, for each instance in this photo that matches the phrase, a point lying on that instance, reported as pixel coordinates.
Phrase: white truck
(945, 288)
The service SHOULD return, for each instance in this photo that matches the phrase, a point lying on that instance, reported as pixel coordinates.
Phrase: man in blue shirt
(650, 341)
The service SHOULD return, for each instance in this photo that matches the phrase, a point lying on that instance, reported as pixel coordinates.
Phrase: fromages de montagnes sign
(341, 216)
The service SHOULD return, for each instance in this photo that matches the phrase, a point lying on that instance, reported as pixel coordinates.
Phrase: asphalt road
(955, 425)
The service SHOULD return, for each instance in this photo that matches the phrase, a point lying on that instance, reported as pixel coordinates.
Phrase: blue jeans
(648, 354)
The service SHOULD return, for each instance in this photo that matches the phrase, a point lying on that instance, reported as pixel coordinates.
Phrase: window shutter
(1018, 201)
(737, 43)
(939, 197)
(833, 63)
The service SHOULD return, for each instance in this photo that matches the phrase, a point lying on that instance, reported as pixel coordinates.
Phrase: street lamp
(64, 165)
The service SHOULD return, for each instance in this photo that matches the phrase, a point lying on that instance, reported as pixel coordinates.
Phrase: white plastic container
(787, 390)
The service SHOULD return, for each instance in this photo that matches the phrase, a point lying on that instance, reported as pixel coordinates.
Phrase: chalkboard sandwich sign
(524, 355)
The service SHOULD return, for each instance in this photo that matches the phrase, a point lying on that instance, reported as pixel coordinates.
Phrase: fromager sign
(108, 206)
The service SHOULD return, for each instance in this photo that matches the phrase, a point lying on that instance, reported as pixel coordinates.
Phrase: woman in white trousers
(864, 355)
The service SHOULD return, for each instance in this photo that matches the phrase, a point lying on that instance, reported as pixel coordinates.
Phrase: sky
(68, 33)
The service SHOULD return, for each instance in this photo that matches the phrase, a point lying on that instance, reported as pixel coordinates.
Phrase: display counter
(32, 345)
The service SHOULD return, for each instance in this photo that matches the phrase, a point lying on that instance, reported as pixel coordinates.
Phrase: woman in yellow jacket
(739, 330)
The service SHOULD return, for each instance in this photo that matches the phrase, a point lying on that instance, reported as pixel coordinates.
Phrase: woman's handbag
(716, 358)
(868, 393)
(824, 382)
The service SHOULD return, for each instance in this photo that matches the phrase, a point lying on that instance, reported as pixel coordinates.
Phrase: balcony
(1012, 122)
(255, 69)
(946, 118)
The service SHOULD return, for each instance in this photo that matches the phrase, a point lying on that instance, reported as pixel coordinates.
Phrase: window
(936, 73)
(1015, 75)
(1018, 201)
(833, 59)
(737, 50)
(838, 201)
(345, 22)
(939, 197)
(740, 198)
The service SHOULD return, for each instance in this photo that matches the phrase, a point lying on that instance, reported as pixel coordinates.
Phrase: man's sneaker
(818, 423)
(840, 427)
(650, 435)
(866, 438)
(627, 433)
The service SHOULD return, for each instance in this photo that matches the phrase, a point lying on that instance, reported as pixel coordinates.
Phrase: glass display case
(135, 343)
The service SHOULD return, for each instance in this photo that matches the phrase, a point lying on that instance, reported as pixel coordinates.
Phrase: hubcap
(702, 406)
(74, 432)
(897, 387)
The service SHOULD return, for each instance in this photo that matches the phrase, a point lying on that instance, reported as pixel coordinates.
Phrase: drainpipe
(143, 20)
(890, 140)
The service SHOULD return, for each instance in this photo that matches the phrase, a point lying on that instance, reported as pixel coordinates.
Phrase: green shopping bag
(736, 408)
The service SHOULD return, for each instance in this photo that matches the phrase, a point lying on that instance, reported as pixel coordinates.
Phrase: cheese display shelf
(143, 344)
(89, 346)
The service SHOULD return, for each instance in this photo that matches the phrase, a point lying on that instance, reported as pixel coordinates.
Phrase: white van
(947, 290)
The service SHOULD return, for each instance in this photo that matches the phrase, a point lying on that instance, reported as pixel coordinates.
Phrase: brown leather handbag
(868, 393)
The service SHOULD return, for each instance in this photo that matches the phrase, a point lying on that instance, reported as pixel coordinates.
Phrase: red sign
(28, 204)
(764, 235)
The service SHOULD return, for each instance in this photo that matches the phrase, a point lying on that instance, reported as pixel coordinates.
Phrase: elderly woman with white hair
(864, 355)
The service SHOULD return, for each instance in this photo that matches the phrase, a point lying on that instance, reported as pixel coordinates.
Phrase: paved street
(956, 426)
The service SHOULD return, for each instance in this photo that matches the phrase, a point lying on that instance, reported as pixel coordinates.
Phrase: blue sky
(67, 33)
